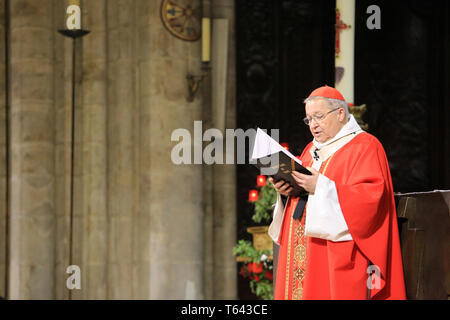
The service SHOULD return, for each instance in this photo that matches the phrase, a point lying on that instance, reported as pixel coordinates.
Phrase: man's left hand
(305, 181)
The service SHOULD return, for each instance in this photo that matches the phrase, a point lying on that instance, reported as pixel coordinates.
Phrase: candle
(344, 61)
(206, 39)
(261, 181)
(253, 195)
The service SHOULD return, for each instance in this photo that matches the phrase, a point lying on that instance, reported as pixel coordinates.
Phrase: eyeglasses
(317, 118)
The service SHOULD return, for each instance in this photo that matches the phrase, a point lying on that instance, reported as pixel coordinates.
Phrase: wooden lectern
(424, 226)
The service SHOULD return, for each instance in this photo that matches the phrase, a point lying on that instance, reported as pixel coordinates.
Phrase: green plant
(264, 205)
(258, 268)
(262, 288)
(246, 249)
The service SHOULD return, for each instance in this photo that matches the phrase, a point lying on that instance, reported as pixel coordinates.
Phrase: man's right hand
(281, 187)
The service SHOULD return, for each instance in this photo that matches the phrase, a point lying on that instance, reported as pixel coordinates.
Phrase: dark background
(285, 49)
(402, 74)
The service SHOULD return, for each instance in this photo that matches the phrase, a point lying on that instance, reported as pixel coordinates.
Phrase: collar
(350, 127)
(322, 151)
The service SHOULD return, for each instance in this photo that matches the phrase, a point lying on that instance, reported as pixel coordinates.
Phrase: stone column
(225, 178)
(123, 234)
(63, 115)
(32, 207)
(208, 183)
(175, 207)
(91, 201)
(3, 152)
(144, 135)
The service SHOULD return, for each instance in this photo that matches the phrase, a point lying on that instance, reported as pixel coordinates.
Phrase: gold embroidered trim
(299, 264)
(286, 288)
(298, 293)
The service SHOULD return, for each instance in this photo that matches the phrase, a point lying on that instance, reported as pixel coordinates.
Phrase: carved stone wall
(3, 147)
(139, 229)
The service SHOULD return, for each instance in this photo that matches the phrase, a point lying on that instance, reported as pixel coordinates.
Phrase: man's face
(329, 126)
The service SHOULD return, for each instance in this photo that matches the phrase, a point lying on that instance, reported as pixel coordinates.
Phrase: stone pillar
(91, 200)
(143, 137)
(63, 115)
(139, 220)
(32, 207)
(208, 182)
(225, 178)
(3, 153)
(123, 234)
(175, 208)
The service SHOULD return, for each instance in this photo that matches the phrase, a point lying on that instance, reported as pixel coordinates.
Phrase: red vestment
(314, 268)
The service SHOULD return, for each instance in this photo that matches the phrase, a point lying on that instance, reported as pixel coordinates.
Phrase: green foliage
(263, 289)
(246, 249)
(260, 283)
(264, 205)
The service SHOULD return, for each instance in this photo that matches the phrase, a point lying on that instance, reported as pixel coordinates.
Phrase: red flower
(269, 274)
(243, 272)
(250, 267)
(255, 277)
(257, 267)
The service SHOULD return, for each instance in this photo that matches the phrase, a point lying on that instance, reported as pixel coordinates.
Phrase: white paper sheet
(265, 145)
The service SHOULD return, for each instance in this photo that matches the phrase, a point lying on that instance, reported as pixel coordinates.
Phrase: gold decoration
(299, 261)
(261, 239)
(358, 112)
(182, 18)
(298, 293)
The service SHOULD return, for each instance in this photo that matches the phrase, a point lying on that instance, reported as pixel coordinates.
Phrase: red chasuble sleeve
(361, 173)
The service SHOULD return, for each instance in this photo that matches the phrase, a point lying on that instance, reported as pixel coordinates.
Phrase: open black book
(274, 161)
(283, 170)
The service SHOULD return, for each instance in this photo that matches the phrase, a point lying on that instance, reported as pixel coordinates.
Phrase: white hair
(332, 104)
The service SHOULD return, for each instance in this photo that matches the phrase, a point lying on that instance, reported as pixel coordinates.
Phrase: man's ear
(341, 114)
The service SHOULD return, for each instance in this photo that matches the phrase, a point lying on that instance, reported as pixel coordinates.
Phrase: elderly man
(341, 241)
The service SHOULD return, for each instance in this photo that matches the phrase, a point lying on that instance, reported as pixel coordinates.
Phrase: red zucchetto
(327, 92)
